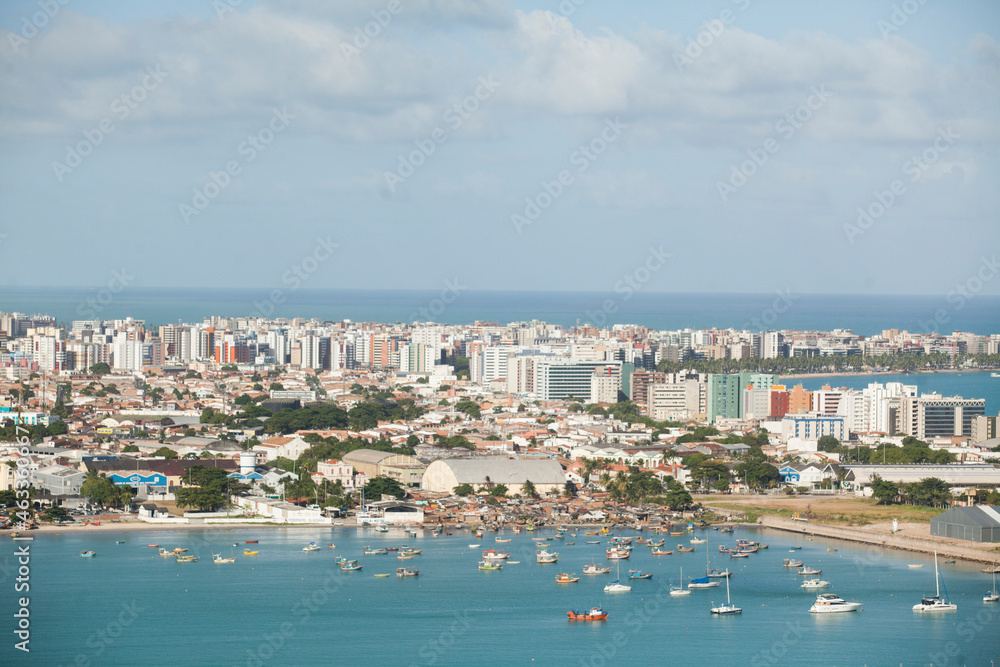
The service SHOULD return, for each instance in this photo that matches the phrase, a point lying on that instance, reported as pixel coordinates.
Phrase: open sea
(864, 314)
(129, 607)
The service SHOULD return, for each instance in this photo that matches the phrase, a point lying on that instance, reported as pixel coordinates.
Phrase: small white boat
(815, 583)
(678, 591)
(729, 608)
(88, 554)
(615, 586)
(915, 566)
(828, 603)
(473, 546)
(593, 568)
(696, 540)
(992, 596)
(312, 546)
(544, 556)
(217, 558)
(809, 571)
(705, 582)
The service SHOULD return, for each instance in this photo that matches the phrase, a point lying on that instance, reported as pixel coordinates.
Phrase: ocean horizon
(864, 314)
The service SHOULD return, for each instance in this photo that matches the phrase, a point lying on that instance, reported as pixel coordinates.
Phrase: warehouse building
(443, 475)
(980, 523)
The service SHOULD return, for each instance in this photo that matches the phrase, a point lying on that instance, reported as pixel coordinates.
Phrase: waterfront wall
(880, 539)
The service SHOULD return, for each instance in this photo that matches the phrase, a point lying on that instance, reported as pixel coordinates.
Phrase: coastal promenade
(890, 541)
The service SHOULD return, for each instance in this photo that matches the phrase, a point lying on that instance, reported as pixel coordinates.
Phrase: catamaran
(992, 596)
(936, 603)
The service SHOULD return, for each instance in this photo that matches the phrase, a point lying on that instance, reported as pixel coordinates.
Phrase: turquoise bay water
(127, 606)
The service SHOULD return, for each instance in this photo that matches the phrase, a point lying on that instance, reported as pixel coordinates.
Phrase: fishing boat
(697, 540)
(544, 556)
(217, 558)
(411, 550)
(729, 608)
(250, 541)
(566, 579)
(381, 576)
(809, 571)
(678, 533)
(381, 528)
(405, 555)
(829, 603)
(594, 614)
(406, 572)
(119, 541)
(655, 545)
(593, 568)
(814, 583)
(187, 559)
(490, 565)
(473, 546)
(178, 550)
(167, 554)
(247, 552)
(615, 586)
(539, 539)
(737, 554)
(991, 570)
(391, 549)
(331, 546)
(312, 546)
(593, 541)
(618, 554)
(153, 546)
(936, 603)
(790, 562)
(639, 574)
(88, 554)
(662, 552)
(915, 566)
(369, 551)
(992, 596)
(715, 573)
(500, 541)
(350, 566)
(593, 533)
(832, 549)
(723, 549)
(682, 549)
(728, 530)
(490, 554)
(794, 548)
(678, 591)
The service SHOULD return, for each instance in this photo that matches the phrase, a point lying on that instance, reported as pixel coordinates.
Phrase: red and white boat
(594, 614)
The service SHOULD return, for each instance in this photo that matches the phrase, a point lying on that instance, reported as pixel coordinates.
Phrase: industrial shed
(980, 523)
(443, 475)
(405, 469)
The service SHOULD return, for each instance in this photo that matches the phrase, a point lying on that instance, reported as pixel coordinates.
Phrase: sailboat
(729, 607)
(615, 586)
(992, 596)
(705, 582)
(929, 604)
(680, 590)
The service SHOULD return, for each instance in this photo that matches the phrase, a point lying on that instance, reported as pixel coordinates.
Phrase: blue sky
(834, 147)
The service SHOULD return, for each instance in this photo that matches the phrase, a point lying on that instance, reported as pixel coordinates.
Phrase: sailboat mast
(937, 578)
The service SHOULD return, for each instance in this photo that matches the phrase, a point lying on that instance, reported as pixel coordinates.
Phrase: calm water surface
(127, 606)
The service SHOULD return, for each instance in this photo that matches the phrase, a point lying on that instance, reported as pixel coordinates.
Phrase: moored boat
(829, 603)
(593, 568)
(704, 582)
(544, 556)
(88, 554)
(814, 583)
(791, 562)
(312, 546)
(490, 565)
(247, 552)
(594, 614)
(661, 552)
(406, 572)
(217, 558)
(566, 578)
(808, 571)
(936, 602)
(639, 574)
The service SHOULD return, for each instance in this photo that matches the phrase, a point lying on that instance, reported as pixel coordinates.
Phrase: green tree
(55, 513)
(529, 489)
(884, 492)
(166, 453)
(382, 485)
(499, 491)
(129, 449)
(100, 368)
(463, 490)
(828, 443)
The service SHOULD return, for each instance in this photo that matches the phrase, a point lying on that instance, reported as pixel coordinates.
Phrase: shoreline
(800, 376)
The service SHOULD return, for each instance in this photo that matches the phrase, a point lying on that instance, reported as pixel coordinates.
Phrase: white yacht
(815, 583)
(828, 603)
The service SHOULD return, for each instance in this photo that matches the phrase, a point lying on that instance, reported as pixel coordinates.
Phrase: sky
(726, 146)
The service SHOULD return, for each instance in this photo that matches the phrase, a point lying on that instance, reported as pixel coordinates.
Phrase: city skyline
(559, 146)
